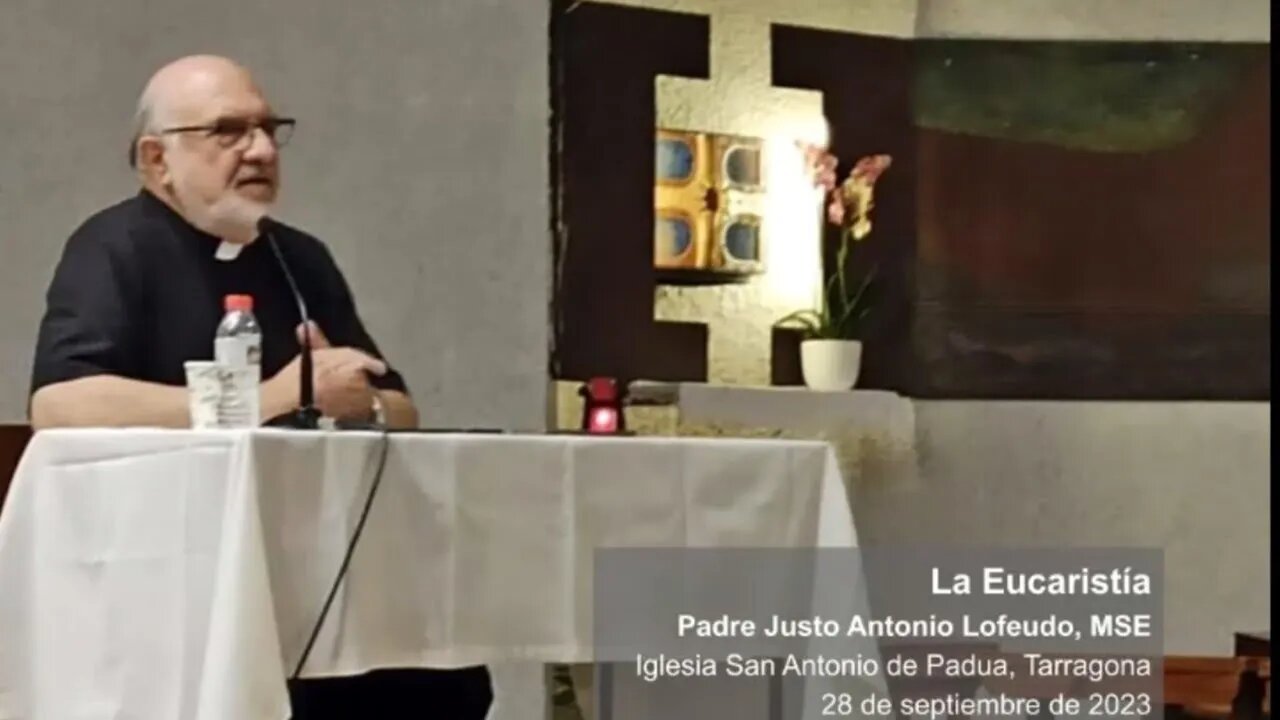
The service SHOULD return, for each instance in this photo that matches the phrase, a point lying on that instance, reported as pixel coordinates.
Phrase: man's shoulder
(301, 244)
(296, 235)
(116, 228)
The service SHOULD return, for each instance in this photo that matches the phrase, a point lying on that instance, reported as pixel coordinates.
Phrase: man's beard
(230, 217)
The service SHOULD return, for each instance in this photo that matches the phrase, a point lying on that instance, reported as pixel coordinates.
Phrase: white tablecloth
(162, 574)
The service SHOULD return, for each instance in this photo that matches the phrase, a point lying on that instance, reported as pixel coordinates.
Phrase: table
(177, 574)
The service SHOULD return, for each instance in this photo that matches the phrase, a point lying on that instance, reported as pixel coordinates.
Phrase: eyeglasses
(238, 132)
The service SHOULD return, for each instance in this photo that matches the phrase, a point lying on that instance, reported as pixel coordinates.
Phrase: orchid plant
(848, 207)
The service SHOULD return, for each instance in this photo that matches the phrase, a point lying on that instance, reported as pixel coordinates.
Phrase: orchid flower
(849, 208)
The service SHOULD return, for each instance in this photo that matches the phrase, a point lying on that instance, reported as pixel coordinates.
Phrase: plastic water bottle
(237, 350)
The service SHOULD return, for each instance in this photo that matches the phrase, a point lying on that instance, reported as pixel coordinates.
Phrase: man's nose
(261, 147)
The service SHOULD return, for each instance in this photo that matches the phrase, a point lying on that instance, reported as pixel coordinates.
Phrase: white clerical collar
(228, 251)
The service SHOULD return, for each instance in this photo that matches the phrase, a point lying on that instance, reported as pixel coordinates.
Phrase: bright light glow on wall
(793, 216)
(740, 99)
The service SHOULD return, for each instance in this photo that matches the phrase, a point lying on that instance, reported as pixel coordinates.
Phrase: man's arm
(114, 401)
(109, 401)
(86, 352)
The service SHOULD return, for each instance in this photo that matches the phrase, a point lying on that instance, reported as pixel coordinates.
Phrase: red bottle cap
(243, 303)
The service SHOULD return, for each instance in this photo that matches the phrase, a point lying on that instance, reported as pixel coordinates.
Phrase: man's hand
(342, 384)
(339, 377)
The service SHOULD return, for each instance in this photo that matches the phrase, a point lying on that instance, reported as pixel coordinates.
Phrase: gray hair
(144, 123)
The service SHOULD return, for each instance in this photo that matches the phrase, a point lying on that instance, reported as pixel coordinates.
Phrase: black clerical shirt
(138, 292)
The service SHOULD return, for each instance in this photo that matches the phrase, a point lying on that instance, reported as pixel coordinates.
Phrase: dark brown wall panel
(606, 58)
(13, 440)
(866, 86)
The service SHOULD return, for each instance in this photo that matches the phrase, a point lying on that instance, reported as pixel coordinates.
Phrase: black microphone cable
(385, 445)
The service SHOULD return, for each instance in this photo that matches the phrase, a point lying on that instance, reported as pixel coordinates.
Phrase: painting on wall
(1093, 219)
(1090, 96)
(709, 198)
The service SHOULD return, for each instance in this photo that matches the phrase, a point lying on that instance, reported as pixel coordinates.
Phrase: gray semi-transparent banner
(924, 632)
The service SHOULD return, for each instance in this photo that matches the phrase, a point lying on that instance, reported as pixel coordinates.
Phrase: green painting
(1109, 97)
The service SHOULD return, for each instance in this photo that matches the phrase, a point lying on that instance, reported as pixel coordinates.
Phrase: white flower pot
(830, 365)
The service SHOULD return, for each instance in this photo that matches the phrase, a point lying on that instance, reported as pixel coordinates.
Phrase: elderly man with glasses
(140, 286)
(139, 290)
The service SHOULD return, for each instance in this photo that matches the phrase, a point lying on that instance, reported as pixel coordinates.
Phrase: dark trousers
(395, 695)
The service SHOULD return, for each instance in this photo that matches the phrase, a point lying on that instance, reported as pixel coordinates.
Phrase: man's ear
(151, 160)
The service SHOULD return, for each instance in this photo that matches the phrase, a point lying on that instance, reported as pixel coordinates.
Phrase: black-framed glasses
(238, 132)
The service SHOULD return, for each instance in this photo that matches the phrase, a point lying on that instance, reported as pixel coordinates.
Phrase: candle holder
(603, 400)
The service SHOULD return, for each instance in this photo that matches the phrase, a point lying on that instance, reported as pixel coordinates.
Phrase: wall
(1191, 478)
(420, 157)
(739, 97)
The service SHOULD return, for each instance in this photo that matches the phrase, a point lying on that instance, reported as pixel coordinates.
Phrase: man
(139, 290)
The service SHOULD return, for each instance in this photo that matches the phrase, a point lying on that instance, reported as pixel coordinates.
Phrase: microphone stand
(306, 417)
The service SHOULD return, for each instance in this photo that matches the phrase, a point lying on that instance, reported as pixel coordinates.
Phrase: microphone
(306, 417)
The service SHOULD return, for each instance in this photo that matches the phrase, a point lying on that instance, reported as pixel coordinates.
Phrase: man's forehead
(238, 105)
(225, 97)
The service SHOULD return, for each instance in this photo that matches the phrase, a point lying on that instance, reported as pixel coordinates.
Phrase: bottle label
(237, 352)
(238, 359)
(240, 402)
